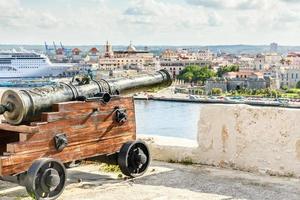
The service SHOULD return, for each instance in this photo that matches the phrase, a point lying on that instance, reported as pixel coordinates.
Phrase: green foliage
(284, 87)
(267, 92)
(223, 70)
(298, 85)
(110, 168)
(184, 161)
(216, 91)
(195, 73)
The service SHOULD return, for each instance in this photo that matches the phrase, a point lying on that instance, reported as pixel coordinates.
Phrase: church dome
(131, 48)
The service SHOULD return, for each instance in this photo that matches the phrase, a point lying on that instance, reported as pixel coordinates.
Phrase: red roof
(293, 54)
(94, 50)
(76, 50)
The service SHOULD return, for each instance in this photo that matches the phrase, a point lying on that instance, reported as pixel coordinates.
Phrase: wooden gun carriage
(33, 155)
(47, 128)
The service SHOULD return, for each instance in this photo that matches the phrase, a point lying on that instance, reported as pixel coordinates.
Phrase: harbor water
(164, 118)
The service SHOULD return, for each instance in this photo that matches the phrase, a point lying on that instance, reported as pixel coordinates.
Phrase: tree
(216, 91)
(223, 70)
(196, 73)
(188, 76)
(298, 85)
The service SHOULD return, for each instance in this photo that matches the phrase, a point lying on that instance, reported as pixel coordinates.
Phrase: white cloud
(152, 21)
(166, 15)
(234, 4)
(13, 15)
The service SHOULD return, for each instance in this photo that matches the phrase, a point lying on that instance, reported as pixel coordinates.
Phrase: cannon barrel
(26, 105)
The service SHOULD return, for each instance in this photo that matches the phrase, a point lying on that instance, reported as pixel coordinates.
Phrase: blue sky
(150, 22)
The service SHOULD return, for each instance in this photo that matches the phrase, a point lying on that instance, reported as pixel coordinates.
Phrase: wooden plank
(19, 129)
(77, 105)
(89, 126)
(55, 116)
(37, 123)
(73, 139)
(18, 163)
(94, 123)
(24, 137)
(1, 167)
(7, 137)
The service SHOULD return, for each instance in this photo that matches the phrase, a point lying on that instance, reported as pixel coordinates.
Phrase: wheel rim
(46, 179)
(134, 158)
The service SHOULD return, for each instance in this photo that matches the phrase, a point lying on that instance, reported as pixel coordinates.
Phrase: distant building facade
(289, 76)
(130, 58)
(230, 84)
(175, 67)
(93, 55)
(76, 55)
(243, 74)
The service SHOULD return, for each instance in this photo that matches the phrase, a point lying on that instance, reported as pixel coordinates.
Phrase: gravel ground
(165, 181)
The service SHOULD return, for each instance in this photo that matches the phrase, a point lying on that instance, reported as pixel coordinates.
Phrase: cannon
(47, 128)
(26, 105)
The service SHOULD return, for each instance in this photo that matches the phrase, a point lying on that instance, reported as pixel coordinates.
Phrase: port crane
(53, 50)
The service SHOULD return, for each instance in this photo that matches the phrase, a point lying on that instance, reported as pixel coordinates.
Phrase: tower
(108, 52)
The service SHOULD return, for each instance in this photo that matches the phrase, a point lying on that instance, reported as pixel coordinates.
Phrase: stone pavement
(165, 181)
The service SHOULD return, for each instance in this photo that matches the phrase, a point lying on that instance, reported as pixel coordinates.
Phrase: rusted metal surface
(27, 105)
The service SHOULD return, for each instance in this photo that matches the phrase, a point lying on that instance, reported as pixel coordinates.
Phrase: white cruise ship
(29, 65)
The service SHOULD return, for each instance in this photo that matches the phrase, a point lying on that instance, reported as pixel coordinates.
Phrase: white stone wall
(264, 139)
(256, 139)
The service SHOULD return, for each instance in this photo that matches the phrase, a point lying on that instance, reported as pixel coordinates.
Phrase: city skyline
(150, 22)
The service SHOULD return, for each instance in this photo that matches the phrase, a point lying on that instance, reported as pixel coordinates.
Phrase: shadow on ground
(169, 181)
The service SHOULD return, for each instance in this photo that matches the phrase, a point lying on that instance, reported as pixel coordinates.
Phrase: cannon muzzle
(26, 105)
(6, 108)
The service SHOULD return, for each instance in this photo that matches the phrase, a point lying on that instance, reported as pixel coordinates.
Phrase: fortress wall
(256, 139)
(263, 139)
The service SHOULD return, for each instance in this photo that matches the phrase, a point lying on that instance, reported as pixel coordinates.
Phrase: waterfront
(176, 119)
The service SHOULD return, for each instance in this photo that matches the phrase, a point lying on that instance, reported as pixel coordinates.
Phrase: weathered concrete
(250, 138)
(256, 139)
(169, 181)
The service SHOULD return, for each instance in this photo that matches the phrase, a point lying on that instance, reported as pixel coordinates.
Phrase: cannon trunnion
(34, 155)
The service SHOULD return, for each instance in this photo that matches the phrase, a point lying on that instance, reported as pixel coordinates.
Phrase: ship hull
(30, 65)
(36, 73)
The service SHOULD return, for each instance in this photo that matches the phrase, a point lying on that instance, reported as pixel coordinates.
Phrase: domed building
(76, 55)
(93, 55)
(129, 58)
(131, 48)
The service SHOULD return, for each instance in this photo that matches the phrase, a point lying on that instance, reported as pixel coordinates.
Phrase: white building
(184, 54)
(130, 58)
(289, 76)
(76, 55)
(293, 58)
(205, 55)
(176, 66)
(93, 55)
(263, 62)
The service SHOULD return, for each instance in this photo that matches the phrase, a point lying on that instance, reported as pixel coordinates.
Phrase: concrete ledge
(248, 138)
(171, 149)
